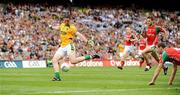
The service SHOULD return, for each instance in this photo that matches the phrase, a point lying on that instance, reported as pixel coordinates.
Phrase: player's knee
(55, 59)
(73, 61)
(175, 67)
(143, 54)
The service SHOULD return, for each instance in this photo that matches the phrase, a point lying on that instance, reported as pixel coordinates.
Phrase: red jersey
(128, 37)
(151, 34)
(173, 53)
(142, 44)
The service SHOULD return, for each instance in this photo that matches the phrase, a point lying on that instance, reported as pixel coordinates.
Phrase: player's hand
(50, 26)
(166, 37)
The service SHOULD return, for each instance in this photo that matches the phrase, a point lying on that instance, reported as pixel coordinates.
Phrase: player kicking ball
(168, 54)
(68, 32)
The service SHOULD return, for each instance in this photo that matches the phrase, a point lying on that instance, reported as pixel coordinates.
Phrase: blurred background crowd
(26, 33)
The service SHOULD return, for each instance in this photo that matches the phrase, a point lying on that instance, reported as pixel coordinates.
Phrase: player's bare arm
(166, 33)
(81, 36)
(56, 27)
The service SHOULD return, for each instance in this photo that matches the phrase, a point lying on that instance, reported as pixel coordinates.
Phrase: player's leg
(141, 61)
(74, 60)
(165, 68)
(57, 57)
(140, 58)
(123, 58)
(132, 52)
(158, 69)
(120, 55)
(156, 74)
(173, 74)
(157, 58)
(165, 58)
(155, 55)
(72, 55)
(146, 56)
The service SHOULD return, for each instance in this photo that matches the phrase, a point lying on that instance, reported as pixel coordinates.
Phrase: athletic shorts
(129, 49)
(65, 51)
(121, 54)
(140, 52)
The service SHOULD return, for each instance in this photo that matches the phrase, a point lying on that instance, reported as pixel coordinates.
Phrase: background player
(142, 46)
(129, 47)
(151, 34)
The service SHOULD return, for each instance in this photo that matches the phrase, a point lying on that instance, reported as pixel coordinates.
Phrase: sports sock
(57, 75)
(122, 63)
(141, 62)
(165, 65)
(87, 57)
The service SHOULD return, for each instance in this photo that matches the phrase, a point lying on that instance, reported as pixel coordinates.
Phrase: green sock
(87, 57)
(57, 75)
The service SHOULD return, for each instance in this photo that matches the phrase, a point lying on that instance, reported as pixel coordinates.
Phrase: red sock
(122, 63)
(141, 63)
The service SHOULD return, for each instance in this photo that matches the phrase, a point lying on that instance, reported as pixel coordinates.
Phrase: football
(65, 67)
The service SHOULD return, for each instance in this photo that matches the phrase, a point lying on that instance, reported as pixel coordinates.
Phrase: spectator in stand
(25, 33)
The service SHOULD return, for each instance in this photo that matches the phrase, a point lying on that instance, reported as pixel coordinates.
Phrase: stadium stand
(26, 33)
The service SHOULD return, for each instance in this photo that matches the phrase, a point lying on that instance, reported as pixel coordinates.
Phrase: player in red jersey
(142, 46)
(129, 47)
(152, 39)
(168, 54)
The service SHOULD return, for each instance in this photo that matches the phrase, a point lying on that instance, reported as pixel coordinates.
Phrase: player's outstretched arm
(54, 27)
(166, 33)
(81, 36)
(134, 39)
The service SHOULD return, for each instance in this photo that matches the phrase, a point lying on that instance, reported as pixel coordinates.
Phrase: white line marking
(106, 90)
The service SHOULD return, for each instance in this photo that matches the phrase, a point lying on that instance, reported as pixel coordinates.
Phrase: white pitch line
(106, 90)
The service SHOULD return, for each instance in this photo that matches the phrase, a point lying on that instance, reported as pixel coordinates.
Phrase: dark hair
(163, 45)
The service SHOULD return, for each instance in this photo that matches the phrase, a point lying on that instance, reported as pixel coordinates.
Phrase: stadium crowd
(26, 32)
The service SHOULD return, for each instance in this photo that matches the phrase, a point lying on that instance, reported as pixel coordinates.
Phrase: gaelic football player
(151, 35)
(168, 54)
(68, 32)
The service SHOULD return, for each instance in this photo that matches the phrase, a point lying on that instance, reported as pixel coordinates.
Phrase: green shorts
(165, 57)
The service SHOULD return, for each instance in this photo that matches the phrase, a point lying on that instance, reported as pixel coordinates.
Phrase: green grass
(86, 81)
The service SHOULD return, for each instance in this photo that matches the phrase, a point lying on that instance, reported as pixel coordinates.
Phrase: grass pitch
(86, 81)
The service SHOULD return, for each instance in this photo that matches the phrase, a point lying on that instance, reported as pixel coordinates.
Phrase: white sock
(148, 67)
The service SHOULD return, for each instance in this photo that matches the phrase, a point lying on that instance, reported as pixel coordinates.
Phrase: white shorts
(121, 54)
(140, 52)
(65, 51)
(129, 49)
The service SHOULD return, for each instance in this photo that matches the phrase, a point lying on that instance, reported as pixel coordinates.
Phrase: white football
(65, 67)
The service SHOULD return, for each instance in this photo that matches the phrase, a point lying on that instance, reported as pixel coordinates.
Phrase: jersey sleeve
(159, 29)
(74, 29)
(132, 37)
(61, 26)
